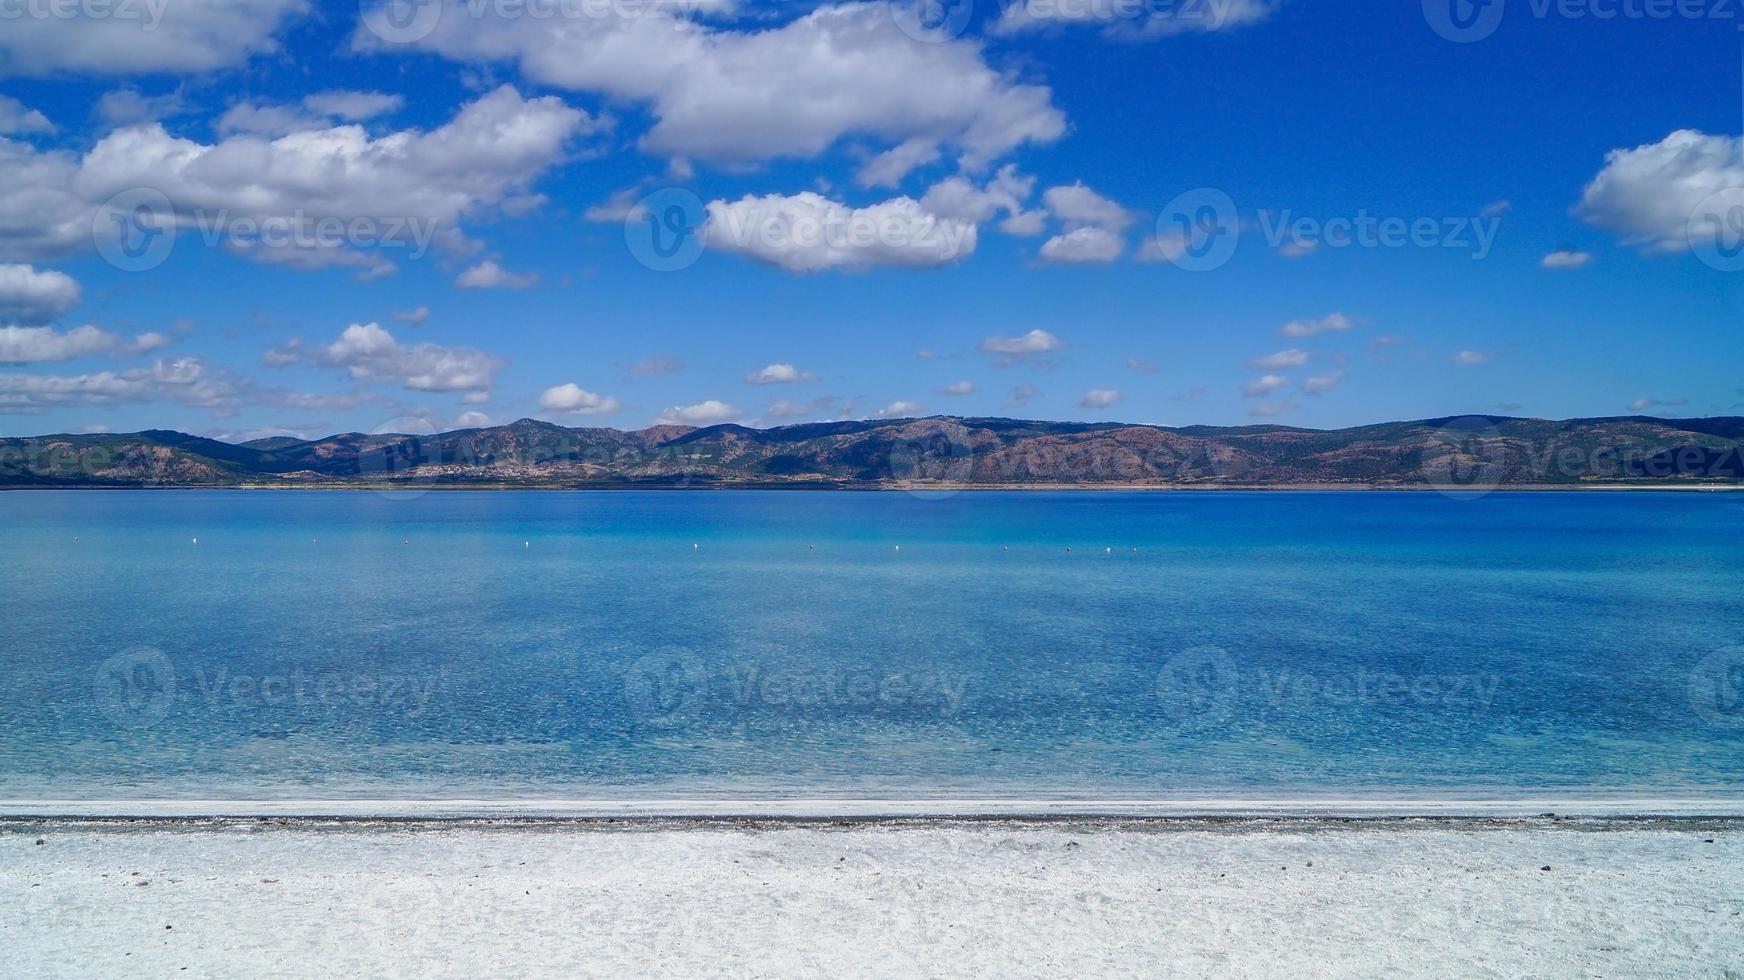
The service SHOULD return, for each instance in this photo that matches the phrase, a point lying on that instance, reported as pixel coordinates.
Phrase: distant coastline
(1459, 455)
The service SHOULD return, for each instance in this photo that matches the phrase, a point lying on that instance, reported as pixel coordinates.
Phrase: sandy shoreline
(269, 897)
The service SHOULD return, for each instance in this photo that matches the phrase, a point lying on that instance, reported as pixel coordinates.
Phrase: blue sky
(889, 211)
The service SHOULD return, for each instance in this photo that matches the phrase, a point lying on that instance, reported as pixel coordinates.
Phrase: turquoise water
(568, 645)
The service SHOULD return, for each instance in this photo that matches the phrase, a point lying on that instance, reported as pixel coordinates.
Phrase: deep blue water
(317, 644)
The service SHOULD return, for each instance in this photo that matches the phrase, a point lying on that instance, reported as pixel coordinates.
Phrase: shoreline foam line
(875, 809)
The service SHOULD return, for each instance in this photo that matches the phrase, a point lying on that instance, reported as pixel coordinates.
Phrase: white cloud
(1079, 206)
(957, 389)
(1566, 258)
(838, 72)
(40, 215)
(414, 187)
(1467, 358)
(1265, 385)
(127, 106)
(184, 380)
(1330, 323)
(318, 111)
(958, 197)
(577, 400)
(1093, 226)
(172, 36)
(473, 420)
(35, 295)
(1099, 398)
(30, 345)
(1142, 366)
(888, 168)
(1650, 194)
(34, 345)
(1037, 341)
(489, 275)
(807, 232)
(416, 316)
(1082, 245)
(899, 410)
(617, 209)
(711, 412)
(778, 374)
(1282, 359)
(366, 351)
(1321, 383)
(1126, 21)
(18, 118)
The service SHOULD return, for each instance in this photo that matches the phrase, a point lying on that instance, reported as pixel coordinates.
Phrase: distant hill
(1451, 453)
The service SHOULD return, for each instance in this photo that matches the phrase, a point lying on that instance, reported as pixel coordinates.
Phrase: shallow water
(493, 644)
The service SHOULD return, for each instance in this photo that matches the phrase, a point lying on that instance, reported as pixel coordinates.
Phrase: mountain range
(1467, 452)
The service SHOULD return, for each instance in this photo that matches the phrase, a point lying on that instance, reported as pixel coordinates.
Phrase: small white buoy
(899, 547)
(1108, 550)
(196, 540)
(695, 547)
(526, 544)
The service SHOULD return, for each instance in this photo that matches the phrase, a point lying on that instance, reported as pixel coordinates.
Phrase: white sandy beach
(921, 898)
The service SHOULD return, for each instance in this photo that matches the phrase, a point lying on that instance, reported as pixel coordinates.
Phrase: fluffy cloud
(1319, 384)
(576, 400)
(366, 351)
(957, 389)
(778, 374)
(489, 275)
(1265, 385)
(184, 380)
(1127, 21)
(1650, 194)
(899, 410)
(318, 111)
(839, 72)
(1094, 226)
(417, 316)
(1330, 323)
(18, 118)
(958, 197)
(808, 232)
(1099, 398)
(1468, 358)
(1036, 342)
(1282, 359)
(1566, 258)
(35, 296)
(301, 198)
(33, 345)
(711, 412)
(172, 36)
(1083, 245)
